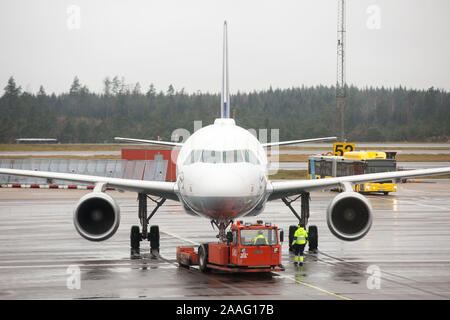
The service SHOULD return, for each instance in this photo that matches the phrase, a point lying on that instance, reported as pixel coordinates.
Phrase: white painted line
(313, 287)
(418, 203)
(389, 261)
(161, 265)
(178, 237)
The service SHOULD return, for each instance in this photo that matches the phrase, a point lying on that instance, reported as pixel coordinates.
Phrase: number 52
(340, 148)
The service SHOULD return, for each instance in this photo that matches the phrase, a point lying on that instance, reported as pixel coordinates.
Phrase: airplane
(221, 176)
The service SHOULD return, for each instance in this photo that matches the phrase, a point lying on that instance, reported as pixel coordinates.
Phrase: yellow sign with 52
(340, 147)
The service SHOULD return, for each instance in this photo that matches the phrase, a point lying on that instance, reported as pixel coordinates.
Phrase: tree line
(122, 109)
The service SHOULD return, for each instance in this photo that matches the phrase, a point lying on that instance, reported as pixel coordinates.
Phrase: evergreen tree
(107, 86)
(137, 89)
(170, 91)
(151, 91)
(116, 85)
(11, 89)
(41, 92)
(75, 88)
(372, 114)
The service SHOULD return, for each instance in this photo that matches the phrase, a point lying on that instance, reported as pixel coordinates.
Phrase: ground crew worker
(299, 242)
(260, 235)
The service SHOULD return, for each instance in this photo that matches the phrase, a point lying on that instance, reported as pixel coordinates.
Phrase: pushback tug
(249, 248)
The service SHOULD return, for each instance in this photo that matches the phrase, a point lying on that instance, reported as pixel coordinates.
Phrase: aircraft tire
(203, 257)
(154, 239)
(292, 229)
(313, 238)
(135, 238)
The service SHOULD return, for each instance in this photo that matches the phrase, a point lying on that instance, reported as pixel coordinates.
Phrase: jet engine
(96, 216)
(349, 216)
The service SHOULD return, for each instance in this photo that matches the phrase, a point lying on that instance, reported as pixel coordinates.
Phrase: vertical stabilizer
(225, 98)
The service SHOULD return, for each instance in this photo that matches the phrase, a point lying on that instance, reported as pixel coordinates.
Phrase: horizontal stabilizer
(156, 142)
(284, 143)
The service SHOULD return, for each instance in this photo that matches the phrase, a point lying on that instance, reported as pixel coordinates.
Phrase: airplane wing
(155, 188)
(281, 189)
(284, 143)
(156, 142)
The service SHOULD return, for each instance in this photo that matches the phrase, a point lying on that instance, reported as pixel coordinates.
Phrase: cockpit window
(230, 156)
(250, 157)
(193, 157)
(211, 156)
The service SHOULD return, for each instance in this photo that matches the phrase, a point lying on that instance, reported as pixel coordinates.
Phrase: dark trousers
(298, 251)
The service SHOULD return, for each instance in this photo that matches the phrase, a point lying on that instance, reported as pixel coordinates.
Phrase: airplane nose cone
(222, 194)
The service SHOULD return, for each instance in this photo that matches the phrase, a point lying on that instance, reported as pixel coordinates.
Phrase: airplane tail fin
(225, 97)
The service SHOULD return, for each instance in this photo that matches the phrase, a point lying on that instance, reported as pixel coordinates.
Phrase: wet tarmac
(406, 255)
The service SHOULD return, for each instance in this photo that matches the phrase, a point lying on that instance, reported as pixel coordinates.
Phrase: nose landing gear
(222, 225)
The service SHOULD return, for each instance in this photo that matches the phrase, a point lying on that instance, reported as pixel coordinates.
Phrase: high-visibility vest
(300, 236)
(260, 236)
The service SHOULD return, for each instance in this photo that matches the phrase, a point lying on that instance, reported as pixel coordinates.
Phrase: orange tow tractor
(249, 248)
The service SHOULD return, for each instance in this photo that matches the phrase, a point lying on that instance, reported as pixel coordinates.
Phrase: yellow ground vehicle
(353, 163)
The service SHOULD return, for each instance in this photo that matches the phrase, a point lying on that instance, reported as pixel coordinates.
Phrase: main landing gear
(313, 237)
(136, 235)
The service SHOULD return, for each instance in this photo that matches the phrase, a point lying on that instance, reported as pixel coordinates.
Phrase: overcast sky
(278, 43)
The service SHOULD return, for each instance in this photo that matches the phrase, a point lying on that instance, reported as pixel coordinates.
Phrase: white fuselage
(221, 172)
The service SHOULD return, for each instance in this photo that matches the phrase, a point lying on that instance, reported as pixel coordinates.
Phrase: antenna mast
(225, 99)
(341, 86)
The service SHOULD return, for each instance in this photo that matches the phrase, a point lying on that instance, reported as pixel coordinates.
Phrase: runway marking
(423, 192)
(313, 287)
(178, 237)
(162, 266)
(415, 203)
(391, 275)
(392, 261)
(72, 261)
(87, 261)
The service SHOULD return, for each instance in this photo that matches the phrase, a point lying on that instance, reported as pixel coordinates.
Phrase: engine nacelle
(96, 216)
(349, 216)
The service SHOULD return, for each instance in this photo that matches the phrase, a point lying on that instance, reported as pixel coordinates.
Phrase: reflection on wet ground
(409, 245)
